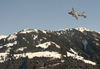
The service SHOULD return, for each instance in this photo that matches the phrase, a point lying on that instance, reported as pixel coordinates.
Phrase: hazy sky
(16, 15)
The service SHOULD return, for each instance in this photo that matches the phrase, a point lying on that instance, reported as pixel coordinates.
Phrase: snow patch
(4, 55)
(21, 49)
(29, 31)
(1, 46)
(11, 44)
(97, 44)
(2, 37)
(58, 33)
(56, 45)
(44, 31)
(65, 29)
(46, 45)
(35, 37)
(72, 50)
(80, 58)
(96, 39)
(39, 54)
(13, 36)
(24, 38)
(62, 61)
(81, 29)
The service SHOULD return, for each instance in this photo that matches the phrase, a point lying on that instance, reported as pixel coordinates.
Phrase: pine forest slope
(63, 49)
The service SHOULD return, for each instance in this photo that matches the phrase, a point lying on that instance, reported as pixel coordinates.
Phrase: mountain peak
(28, 31)
(68, 47)
(82, 29)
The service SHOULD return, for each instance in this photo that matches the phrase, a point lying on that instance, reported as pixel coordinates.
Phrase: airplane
(75, 14)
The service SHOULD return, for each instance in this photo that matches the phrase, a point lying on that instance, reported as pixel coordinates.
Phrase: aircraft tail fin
(84, 14)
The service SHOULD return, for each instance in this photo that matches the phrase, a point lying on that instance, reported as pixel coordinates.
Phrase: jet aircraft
(75, 14)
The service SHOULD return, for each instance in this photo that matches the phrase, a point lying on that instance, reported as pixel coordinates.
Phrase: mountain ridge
(80, 44)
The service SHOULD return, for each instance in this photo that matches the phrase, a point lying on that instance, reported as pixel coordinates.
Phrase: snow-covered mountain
(45, 49)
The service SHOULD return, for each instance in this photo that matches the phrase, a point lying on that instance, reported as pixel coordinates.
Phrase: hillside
(44, 49)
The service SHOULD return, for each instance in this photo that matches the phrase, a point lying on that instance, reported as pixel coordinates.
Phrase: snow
(29, 31)
(11, 44)
(24, 38)
(44, 31)
(97, 44)
(62, 61)
(35, 37)
(75, 56)
(56, 45)
(58, 33)
(72, 50)
(39, 54)
(44, 54)
(89, 62)
(47, 44)
(96, 39)
(44, 38)
(44, 45)
(65, 29)
(4, 55)
(1, 46)
(2, 36)
(55, 64)
(81, 29)
(13, 36)
(21, 49)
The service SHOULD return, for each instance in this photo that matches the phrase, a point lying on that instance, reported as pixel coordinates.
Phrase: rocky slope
(63, 49)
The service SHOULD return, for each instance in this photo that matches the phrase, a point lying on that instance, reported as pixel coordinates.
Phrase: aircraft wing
(77, 17)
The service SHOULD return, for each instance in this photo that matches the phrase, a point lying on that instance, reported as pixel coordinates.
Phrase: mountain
(73, 48)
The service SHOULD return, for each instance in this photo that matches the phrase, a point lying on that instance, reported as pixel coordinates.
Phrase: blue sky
(16, 15)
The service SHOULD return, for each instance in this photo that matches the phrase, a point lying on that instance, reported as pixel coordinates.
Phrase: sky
(16, 15)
